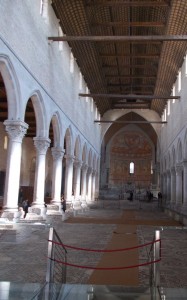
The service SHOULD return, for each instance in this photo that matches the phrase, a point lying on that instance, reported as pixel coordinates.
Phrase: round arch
(12, 87)
(57, 129)
(179, 152)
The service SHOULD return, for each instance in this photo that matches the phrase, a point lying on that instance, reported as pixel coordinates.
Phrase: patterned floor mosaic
(23, 249)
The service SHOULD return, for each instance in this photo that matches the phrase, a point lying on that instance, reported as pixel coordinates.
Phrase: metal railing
(56, 272)
(155, 255)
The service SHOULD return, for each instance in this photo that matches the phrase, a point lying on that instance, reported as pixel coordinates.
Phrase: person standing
(63, 203)
(25, 206)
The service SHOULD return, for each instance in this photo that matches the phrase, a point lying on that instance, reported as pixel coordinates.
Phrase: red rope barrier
(92, 250)
(102, 268)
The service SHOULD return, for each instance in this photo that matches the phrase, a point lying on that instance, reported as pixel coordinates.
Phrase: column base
(36, 213)
(77, 207)
(53, 209)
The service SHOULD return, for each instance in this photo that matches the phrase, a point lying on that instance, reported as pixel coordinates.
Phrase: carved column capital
(69, 159)
(89, 170)
(16, 130)
(57, 153)
(94, 172)
(77, 164)
(41, 144)
(179, 168)
(84, 167)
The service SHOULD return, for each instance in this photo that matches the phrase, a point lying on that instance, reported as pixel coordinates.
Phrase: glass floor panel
(35, 291)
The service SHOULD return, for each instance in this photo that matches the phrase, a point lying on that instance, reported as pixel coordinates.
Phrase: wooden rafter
(133, 85)
(131, 76)
(130, 3)
(131, 121)
(137, 55)
(129, 96)
(129, 24)
(119, 38)
(150, 67)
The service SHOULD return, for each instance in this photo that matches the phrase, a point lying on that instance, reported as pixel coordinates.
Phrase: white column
(89, 174)
(57, 154)
(179, 170)
(93, 184)
(41, 145)
(173, 186)
(68, 178)
(165, 186)
(16, 130)
(185, 185)
(77, 166)
(83, 183)
(168, 186)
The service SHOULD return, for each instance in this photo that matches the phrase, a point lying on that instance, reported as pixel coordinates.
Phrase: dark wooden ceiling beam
(130, 76)
(131, 86)
(120, 38)
(130, 4)
(128, 24)
(150, 67)
(131, 122)
(130, 107)
(137, 55)
(129, 96)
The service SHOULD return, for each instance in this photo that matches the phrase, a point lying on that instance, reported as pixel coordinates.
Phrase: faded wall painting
(127, 147)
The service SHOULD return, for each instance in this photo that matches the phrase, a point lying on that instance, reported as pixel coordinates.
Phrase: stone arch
(173, 157)
(40, 113)
(164, 164)
(98, 165)
(84, 154)
(57, 129)
(94, 162)
(12, 87)
(90, 158)
(168, 161)
(185, 146)
(77, 148)
(68, 141)
(179, 156)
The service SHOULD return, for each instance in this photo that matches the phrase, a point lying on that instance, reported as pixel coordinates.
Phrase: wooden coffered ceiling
(126, 48)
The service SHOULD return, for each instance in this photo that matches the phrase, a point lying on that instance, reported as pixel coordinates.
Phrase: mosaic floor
(23, 249)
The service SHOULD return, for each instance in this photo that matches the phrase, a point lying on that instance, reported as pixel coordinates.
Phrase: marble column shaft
(68, 178)
(83, 183)
(16, 130)
(57, 154)
(173, 186)
(179, 170)
(77, 175)
(41, 145)
(89, 174)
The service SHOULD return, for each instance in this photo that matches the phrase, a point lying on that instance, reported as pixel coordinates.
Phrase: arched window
(131, 171)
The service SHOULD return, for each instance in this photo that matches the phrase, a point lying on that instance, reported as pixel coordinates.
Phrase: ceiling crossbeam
(129, 24)
(131, 4)
(120, 38)
(147, 97)
(131, 122)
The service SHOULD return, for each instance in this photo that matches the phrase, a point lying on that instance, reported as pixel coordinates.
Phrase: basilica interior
(93, 106)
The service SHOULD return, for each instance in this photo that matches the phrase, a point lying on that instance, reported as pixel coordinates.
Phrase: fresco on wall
(126, 147)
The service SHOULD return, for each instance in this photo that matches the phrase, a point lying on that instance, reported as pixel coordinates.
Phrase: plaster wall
(175, 129)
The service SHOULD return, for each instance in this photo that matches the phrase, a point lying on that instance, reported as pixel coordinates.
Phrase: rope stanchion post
(156, 266)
